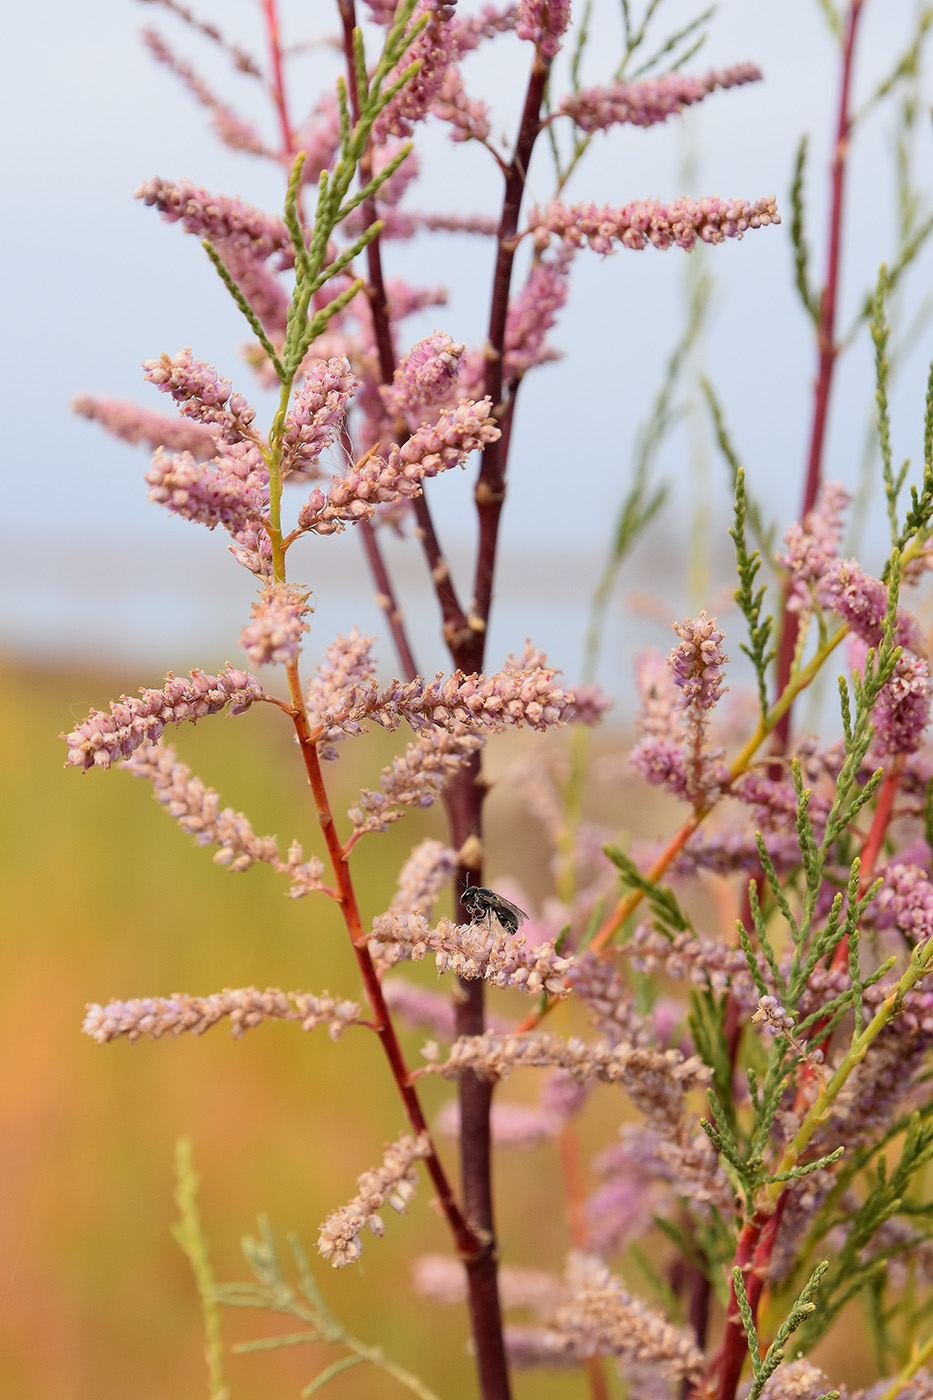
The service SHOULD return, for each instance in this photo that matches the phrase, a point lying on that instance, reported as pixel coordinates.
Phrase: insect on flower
(484, 904)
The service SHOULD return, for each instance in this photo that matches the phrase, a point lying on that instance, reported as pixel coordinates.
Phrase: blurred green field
(105, 897)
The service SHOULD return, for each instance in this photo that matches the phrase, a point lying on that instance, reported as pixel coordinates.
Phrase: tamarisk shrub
(776, 1064)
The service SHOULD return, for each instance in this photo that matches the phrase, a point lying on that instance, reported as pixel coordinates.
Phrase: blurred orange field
(105, 897)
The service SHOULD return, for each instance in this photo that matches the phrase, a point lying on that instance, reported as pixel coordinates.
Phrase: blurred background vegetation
(105, 897)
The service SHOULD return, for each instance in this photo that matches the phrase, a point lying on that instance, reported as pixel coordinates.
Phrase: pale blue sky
(95, 283)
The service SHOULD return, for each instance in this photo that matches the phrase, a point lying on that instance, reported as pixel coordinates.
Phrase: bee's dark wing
(519, 914)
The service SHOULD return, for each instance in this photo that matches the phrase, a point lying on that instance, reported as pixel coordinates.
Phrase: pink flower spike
(202, 394)
(811, 546)
(209, 493)
(902, 711)
(317, 414)
(375, 481)
(424, 375)
(684, 222)
(101, 739)
(134, 424)
(220, 219)
(697, 663)
(542, 22)
(862, 602)
(467, 117)
(393, 1183)
(532, 313)
(273, 637)
(651, 100)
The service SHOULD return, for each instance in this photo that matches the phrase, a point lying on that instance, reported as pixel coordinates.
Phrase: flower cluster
(203, 395)
(542, 22)
(101, 739)
(424, 376)
(131, 423)
(375, 480)
(226, 221)
(391, 1184)
(197, 810)
(273, 636)
(493, 1056)
(648, 101)
(603, 1319)
(512, 697)
(317, 413)
(416, 778)
(472, 951)
(532, 313)
(811, 545)
(677, 757)
(683, 223)
(231, 490)
(244, 1008)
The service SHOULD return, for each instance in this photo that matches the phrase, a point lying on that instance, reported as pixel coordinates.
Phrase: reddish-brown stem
(468, 1243)
(463, 800)
(490, 486)
(826, 347)
(270, 13)
(752, 1256)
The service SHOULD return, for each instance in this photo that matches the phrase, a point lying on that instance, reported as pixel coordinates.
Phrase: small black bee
(484, 904)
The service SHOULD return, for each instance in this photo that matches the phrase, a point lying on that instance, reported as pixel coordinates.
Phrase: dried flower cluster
(391, 1184)
(245, 1008)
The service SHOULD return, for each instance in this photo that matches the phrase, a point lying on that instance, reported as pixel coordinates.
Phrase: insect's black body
(485, 904)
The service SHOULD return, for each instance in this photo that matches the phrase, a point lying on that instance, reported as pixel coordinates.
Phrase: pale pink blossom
(603, 1319)
(434, 50)
(234, 131)
(220, 219)
(103, 738)
(532, 312)
(647, 101)
(202, 394)
(901, 712)
(197, 810)
(513, 697)
(134, 424)
(416, 778)
(650, 1072)
(468, 117)
(346, 664)
(473, 951)
(682, 223)
(393, 1184)
(862, 602)
(317, 413)
(209, 493)
(376, 480)
(697, 663)
(244, 1007)
(273, 636)
(542, 22)
(811, 547)
(424, 376)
